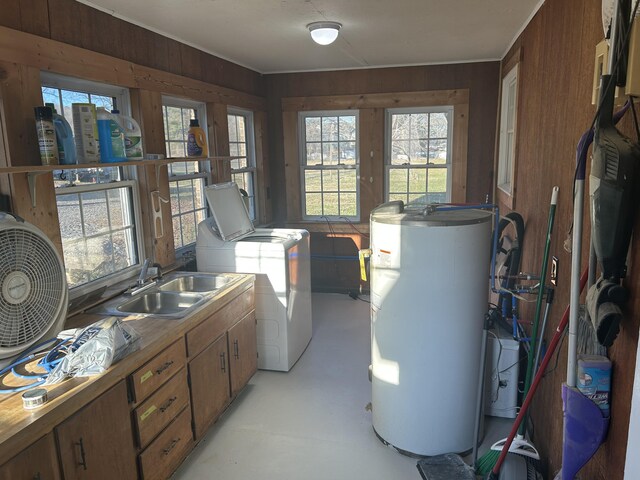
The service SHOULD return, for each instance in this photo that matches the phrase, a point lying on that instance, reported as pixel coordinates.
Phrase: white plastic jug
(132, 135)
(111, 138)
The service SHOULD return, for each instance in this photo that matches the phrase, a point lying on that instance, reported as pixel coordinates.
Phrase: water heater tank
(429, 293)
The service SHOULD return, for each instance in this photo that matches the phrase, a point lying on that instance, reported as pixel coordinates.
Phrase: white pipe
(576, 255)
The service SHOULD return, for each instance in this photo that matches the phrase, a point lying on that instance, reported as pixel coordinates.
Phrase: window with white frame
(508, 112)
(418, 154)
(187, 180)
(241, 144)
(98, 207)
(329, 164)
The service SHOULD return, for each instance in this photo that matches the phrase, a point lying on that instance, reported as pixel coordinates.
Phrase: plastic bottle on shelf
(46, 136)
(111, 138)
(64, 137)
(132, 135)
(196, 140)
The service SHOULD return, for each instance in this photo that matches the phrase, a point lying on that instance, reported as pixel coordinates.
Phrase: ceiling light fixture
(324, 33)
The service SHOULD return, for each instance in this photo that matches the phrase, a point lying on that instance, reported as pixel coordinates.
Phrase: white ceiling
(270, 36)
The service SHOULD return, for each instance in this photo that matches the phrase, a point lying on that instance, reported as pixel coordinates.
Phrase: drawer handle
(236, 350)
(83, 458)
(168, 404)
(174, 442)
(164, 367)
(223, 362)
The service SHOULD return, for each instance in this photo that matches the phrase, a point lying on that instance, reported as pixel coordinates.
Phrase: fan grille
(32, 287)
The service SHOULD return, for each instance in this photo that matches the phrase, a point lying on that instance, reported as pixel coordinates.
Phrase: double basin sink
(174, 296)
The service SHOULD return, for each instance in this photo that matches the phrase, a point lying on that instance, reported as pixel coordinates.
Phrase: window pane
(437, 185)
(120, 215)
(329, 153)
(400, 127)
(347, 128)
(330, 201)
(188, 228)
(122, 254)
(419, 125)
(313, 204)
(198, 192)
(312, 129)
(175, 130)
(102, 101)
(400, 151)
(312, 180)
(69, 216)
(398, 181)
(242, 129)
(397, 196)
(177, 231)
(348, 205)
(348, 153)
(329, 129)
(415, 198)
(94, 209)
(233, 130)
(330, 180)
(185, 189)
(438, 125)
(177, 150)
(173, 196)
(417, 180)
(348, 181)
(438, 151)
(314, 154)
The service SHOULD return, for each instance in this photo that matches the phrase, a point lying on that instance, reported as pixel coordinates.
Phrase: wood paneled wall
(481, 79)
(558, 49)
(77, 24)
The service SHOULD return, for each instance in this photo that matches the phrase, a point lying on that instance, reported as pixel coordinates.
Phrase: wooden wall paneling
(34, 17)
(371, 124)
(19, 94)
(218, 130)
(262, 166)
(191, 63)
(10, 14)
(174, 56)
(459, 155)
(146, 108)
(292, 166)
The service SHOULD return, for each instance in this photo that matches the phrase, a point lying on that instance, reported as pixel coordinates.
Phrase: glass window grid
(418, 162)
(323, 194)
(62, 92)
(506, 154)
(243, 170)
(188, 204)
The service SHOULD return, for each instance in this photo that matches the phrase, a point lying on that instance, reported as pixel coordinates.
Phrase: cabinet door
(37, 462)
(243, 353)
(209, 380)
(97, 442)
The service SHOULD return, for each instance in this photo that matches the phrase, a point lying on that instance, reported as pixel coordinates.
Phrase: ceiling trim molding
(522, 28)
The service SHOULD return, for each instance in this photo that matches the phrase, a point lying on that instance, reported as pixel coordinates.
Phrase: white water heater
(429, 293)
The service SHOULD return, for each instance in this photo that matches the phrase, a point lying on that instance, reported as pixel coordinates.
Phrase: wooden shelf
(42, 169)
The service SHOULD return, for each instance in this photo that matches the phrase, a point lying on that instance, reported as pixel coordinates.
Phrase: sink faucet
(144, 271)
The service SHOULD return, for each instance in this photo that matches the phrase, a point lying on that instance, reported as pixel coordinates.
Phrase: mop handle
(536, 381)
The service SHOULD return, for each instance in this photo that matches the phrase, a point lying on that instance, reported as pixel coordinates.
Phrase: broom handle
(536, 381)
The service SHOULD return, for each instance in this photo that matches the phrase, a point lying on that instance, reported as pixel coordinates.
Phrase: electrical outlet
(554, 271)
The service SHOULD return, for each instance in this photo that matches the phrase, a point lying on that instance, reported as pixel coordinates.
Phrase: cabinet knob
(83, 458)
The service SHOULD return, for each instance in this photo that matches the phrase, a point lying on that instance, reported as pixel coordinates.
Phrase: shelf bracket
(31, 179)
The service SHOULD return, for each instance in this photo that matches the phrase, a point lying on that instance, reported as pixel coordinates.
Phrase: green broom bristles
(486, 462)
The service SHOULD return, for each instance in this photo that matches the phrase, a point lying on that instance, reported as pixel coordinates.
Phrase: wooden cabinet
(37, 462)
(209, 379)
(157, 371)
(97, 442)
(243, 354)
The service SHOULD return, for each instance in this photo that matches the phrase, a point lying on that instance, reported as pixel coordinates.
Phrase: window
(97, 208)
(418, 154)
(330, 166)
(187, 180)
(241, 144)
(508, 110)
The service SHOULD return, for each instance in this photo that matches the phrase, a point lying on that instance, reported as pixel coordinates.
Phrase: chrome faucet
(142, 278)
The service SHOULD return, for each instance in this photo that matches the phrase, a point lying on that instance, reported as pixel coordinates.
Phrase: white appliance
(429, 294)
(228, 242)
(501, 376)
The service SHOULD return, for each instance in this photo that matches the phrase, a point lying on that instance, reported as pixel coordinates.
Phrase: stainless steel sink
(160, 303)
(195, 283)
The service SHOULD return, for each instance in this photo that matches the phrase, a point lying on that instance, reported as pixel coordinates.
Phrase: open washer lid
(229, 211)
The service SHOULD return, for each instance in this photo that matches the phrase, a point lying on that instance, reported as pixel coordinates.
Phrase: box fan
(33, 287)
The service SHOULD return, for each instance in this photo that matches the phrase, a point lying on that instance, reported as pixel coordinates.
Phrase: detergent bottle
(64, 137)
(196, 140)
(111, 138)
(132, 135)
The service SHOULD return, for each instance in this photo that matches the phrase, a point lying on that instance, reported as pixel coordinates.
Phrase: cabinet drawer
(218, 323)
(157, 371)
(160, 408)
(166, 452)
(37, 461)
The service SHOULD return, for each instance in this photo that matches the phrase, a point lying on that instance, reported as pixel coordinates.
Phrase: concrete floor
(312, 422)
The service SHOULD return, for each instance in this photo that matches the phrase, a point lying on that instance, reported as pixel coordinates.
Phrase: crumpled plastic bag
(95, 348)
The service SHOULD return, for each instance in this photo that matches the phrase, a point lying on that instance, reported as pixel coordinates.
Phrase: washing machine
(228, 242)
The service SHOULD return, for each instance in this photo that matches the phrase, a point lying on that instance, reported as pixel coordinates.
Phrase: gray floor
(312, 422)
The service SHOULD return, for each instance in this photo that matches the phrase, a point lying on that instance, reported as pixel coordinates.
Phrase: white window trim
(503, 183)
(302, 155)
(201, 109)
(449, 111)
(125, 273)
(251, 153)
